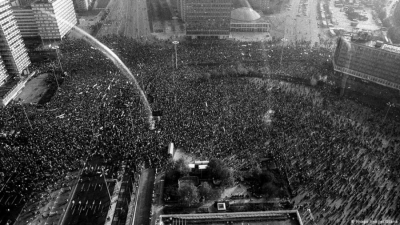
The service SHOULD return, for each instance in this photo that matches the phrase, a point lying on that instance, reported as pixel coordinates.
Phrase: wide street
(128, 18)
(91, 200)
(144, 199)
(299, 24)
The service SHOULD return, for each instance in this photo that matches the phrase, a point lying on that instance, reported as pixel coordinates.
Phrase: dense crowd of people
(210, 106)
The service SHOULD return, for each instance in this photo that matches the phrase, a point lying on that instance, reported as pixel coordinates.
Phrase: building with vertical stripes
(82, 5)
(14, 56)
(26, 21)
(21, 2)
(55, 18)
(207, 18)
(377, 63)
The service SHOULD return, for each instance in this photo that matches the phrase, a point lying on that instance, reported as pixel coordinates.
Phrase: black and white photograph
(199, 112)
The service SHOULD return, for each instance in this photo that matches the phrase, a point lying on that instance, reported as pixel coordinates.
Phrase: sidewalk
(144, 198)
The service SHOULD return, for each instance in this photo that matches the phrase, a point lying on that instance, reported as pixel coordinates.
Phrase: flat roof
(282, 217)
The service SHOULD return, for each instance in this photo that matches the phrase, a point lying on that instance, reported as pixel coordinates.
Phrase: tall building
(26, 21)
(20, 2)
(55, 18)
(3, 73)
(379, 63)
(82, 5)
(12, 49)
(207, 17)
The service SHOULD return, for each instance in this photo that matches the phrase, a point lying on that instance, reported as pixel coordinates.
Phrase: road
(390, 7)
(144, 199)
(128, 18)
(91, 200)
(299, 26)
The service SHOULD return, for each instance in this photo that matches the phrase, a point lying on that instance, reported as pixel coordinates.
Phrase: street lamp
(58, 57)
(390, 106)
(26, 115)
(176, 53)
(283, 41)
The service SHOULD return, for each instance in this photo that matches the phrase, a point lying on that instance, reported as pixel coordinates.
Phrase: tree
(181, 166)
(189, 194)
(205, 190)
(171, 191)
(219, 171)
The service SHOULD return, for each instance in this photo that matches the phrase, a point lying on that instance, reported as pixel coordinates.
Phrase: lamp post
(58, 57)
(176, 53)
(283, 42)
(390, 106)
(26, 115)
(54, 74)
(176, 65)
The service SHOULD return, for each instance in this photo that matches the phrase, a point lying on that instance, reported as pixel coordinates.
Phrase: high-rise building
(3, 73)
(20, 2)
(379, 63)
(26, 21)
(12, 49)
(55, 18)
(207, 17)
(82, 5)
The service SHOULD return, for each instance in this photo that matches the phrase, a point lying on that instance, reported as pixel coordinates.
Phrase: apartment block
(207, 18)
(82, 5)
(13, 53)
(55, 18)
(26, 21)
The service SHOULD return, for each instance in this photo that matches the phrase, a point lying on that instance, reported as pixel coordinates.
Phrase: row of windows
(249, 29)
(250, 25)
(209, 1)
(364, 76)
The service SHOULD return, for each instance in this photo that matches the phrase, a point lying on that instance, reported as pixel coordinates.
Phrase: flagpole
(108, 191)
(26, 115)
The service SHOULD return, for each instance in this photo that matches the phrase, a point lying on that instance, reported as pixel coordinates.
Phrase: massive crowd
(340, 165)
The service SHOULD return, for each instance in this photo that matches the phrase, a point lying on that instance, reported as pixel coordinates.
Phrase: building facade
(3, 73)
(13, 53)
(55, 18)
(238, 26)
(377, 64)
(207, 18)
(222, 217)
(245, 19)
(26, 21)
(82, 5)
(260, 4)
(20, 2)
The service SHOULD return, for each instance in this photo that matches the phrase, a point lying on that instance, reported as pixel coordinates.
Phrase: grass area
(102, 4)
